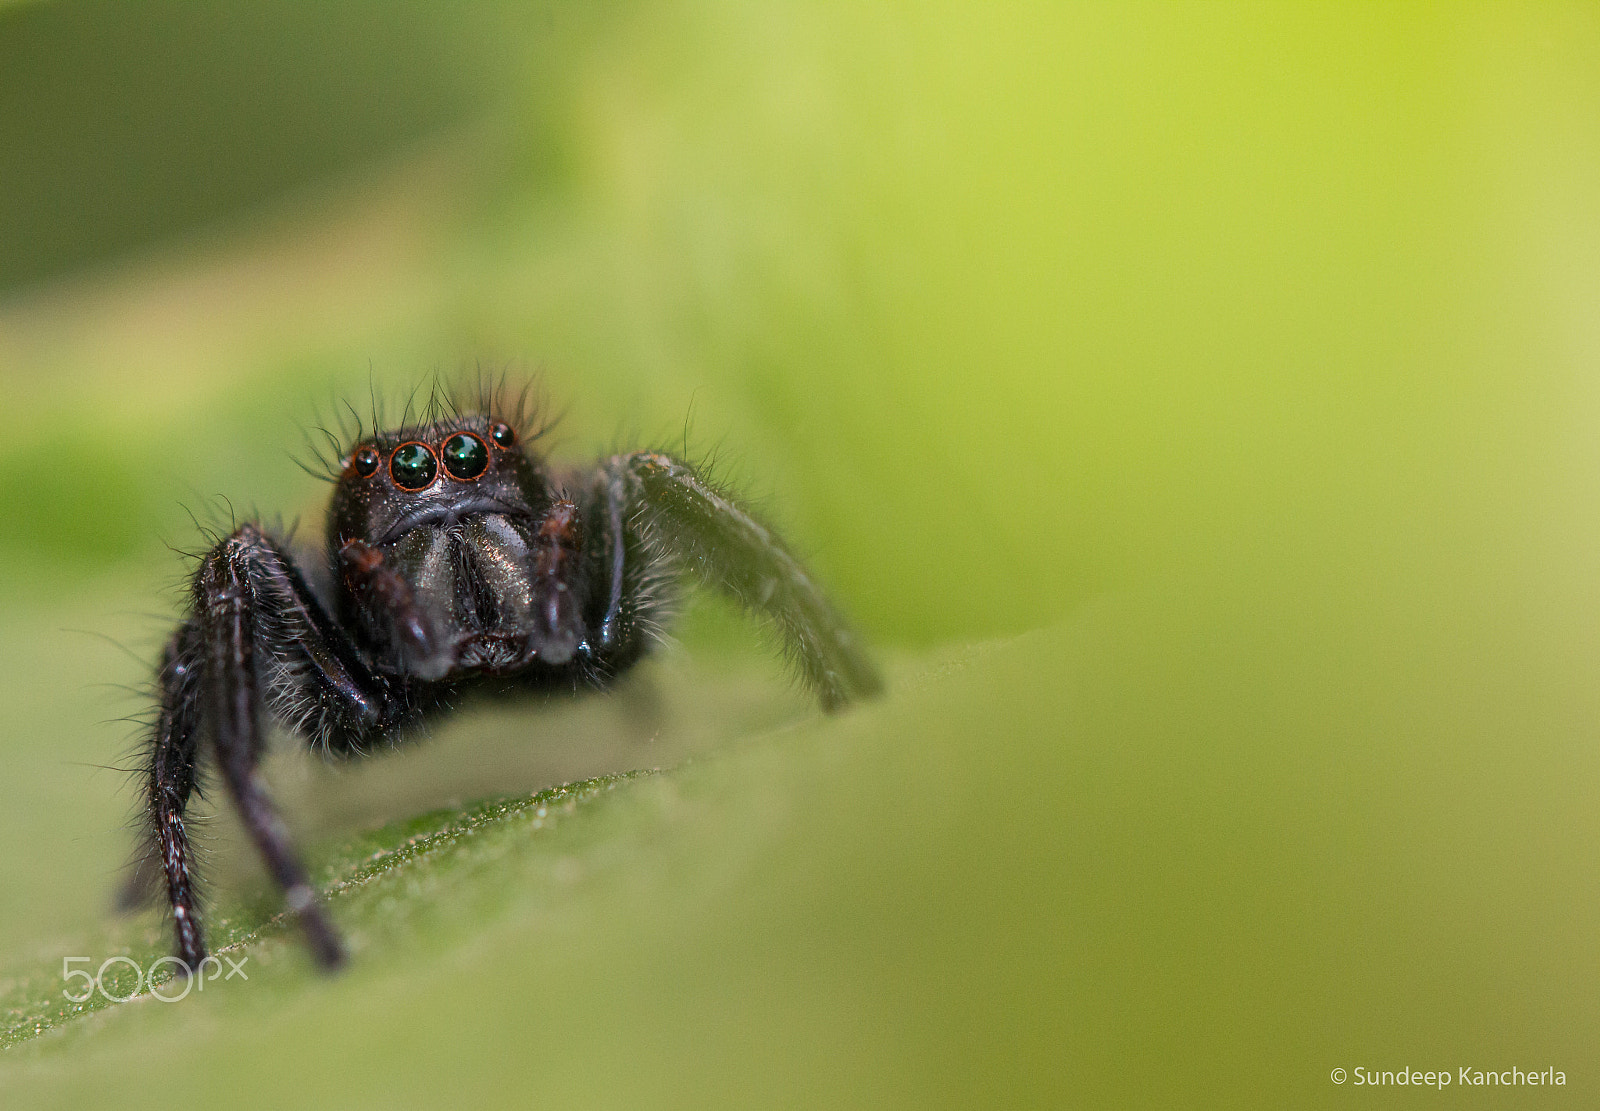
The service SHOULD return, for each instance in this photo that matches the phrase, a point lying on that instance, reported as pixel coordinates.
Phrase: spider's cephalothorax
(456, 562)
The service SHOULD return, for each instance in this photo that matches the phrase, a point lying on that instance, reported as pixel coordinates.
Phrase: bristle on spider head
(507, 394)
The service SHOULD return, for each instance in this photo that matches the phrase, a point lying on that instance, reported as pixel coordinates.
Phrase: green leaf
(1195, 406)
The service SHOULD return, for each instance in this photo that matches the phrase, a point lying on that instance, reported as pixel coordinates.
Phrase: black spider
(456, 563)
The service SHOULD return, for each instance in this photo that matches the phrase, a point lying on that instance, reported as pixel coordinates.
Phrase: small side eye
(503, 434)
(365, 462)
(412, 466)
(465, 456)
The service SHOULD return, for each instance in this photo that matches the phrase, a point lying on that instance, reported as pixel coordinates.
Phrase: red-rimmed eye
(465, 456)
(365, 462)
(412, 466)
(503, 434)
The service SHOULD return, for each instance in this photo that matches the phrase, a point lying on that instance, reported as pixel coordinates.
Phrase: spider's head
(433, 475)
(452, 511)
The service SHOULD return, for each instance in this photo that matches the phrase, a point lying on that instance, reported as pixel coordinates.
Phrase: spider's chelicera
(456, 562)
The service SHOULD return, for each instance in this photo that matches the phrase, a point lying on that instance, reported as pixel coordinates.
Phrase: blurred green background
(1196, 404)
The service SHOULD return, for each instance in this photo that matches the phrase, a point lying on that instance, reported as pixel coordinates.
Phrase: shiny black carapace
(456, 562)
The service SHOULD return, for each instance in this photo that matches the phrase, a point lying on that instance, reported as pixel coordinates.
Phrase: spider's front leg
(171, 780)
(254, 620)
(684, 517)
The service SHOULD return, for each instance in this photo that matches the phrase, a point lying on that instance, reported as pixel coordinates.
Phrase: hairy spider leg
(684, 517)
(172, 781)
(230, 648)
(254, 618)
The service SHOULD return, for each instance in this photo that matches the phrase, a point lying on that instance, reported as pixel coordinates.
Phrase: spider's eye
(503, 434)
(465, 456)
(412, 466)
(365, 461)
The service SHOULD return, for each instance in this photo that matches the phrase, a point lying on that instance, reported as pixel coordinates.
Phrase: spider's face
(455, 513)
(433, 476)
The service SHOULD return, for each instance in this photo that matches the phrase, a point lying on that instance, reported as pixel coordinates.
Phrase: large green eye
(412, 466)
(465, 456)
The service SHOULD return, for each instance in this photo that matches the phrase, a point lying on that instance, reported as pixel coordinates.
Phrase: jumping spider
(456, 562)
